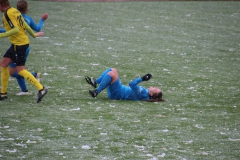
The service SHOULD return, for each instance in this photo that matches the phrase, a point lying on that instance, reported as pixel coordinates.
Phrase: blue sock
(34, 74)
(99, 79)
(21, 81)
(105, 82)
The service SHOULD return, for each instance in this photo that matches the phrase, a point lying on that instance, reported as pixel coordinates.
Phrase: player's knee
(114, 70)
(114, 75)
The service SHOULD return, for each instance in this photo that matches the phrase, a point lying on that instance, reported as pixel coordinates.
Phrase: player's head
(155, 94)
(4, 3)
(22, 6)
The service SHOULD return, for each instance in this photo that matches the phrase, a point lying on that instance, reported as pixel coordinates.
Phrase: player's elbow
(38, 29)
(132, 84)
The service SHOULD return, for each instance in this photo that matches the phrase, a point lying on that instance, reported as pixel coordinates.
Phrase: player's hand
(38, 34)
(146, 77)
(45, 16)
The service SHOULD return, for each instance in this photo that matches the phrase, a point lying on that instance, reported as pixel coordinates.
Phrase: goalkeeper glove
(146, 77)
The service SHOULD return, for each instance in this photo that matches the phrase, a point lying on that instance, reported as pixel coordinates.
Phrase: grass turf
(192, 50)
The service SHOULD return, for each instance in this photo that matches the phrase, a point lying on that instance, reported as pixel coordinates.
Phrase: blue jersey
(118, 91)
(36, 27)
(32, 24)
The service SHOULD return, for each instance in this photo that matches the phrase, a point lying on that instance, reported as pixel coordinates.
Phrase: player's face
(153, 90)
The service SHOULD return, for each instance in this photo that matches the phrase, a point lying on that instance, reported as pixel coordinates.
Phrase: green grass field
(191, 49)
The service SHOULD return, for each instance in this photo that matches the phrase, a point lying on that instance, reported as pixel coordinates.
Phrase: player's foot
(91, 81)
(3, 96)
(41, 94)
(93, 93)
(39, 76)
(23, 93)
(45, 16)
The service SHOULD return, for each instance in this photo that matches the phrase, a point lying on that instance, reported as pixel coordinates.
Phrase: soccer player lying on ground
(116, 91)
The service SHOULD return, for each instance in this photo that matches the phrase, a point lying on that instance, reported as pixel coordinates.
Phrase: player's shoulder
(12, 11)
(27, 17)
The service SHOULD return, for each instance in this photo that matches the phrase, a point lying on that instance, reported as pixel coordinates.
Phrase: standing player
(22, 6)
(15, 26)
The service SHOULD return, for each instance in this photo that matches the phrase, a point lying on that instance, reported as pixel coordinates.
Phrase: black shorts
(17, 54)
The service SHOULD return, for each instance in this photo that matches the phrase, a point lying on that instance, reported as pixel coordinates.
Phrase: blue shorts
(116, 90)
(18, 54)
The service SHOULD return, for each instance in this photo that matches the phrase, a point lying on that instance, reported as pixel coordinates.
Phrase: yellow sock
(4, 79)
(30, 78)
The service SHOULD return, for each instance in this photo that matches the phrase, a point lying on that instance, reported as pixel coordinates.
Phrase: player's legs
(19, 58)
(106, 81)
(18, 55)
(42, 91)
(21, 81)
(4, 82)
(113, 74)
(107, 78)
(112, 71)
(93, 82)
(4, 74)
(6, 60)
(99, 79)
(29, 77)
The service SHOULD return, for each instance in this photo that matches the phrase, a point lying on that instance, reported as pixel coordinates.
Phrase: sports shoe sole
(93, 93)
(89, 81)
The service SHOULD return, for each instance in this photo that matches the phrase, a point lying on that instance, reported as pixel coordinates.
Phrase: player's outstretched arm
(10, 32)
(37, 27)
(31, 32)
